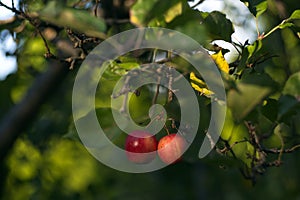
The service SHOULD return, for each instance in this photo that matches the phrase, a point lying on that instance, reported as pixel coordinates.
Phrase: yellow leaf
(204, 91)
(199, 85)
(220, 61)
(197, 80)
(173, 12)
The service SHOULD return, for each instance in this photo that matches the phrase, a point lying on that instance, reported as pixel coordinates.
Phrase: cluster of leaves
(258, 121)
(262, 85)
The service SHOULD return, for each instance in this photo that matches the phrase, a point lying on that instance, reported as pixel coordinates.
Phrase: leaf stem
(274, 29)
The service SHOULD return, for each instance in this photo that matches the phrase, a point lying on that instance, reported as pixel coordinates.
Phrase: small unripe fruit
(171, 147)
(140, 147)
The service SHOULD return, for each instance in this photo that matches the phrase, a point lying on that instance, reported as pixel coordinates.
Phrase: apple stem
(165, 127)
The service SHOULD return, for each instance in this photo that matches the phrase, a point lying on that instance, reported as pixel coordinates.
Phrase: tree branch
(22, 114)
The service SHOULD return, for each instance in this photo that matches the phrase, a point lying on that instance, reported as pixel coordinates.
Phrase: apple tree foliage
(41, 154)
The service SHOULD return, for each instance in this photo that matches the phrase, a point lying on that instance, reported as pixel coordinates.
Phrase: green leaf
(218, 26)
(254, 48)
(295, 15)
(273, 141)
(270, 109)
(292, 86)
(228, 127)
(285, 25)
(292, 21)
(286, 106)
(261, 8)
(203, 27)
(160, 8)
(236, 134)
(139, 105)
(145, 11)
(247, 53)
(295, 123)
(250, 92)
(256, 7)
(78, 20)
(241, 148)
(282, 130)
(107, 123)
(140, 10)
(243, 62)
(103, 93)
(189, 23)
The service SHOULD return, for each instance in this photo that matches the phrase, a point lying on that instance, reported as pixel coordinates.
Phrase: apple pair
(141, 147)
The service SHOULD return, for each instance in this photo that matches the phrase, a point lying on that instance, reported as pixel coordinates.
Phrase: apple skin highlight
(141, 147)
(171, 147)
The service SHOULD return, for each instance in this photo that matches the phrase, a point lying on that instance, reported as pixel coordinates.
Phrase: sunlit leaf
(256, 7)
(285, 25)
(25, 161)
(203, 91)
(139, 11)
(295, 15)
(220, 61)
(254, 47)
(228, 126)
(261, 8)
(197, 80)
(145, 11)
(173, 12)
(241, 148)
(77, 20)
(200, 85)
(293, 20)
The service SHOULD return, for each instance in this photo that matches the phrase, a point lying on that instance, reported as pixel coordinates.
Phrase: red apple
(140, 147)
(171, 147)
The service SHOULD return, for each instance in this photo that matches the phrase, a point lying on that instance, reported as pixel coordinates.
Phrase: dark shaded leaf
(270, 109)
(218, 26)
(286, 106)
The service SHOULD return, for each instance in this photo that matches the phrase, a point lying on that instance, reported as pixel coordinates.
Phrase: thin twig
(154, 100)
(278, 151)
(34, 24)
(13, 4)
(96, 8)
(229, 147)
(197, 4)
(48, 51)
